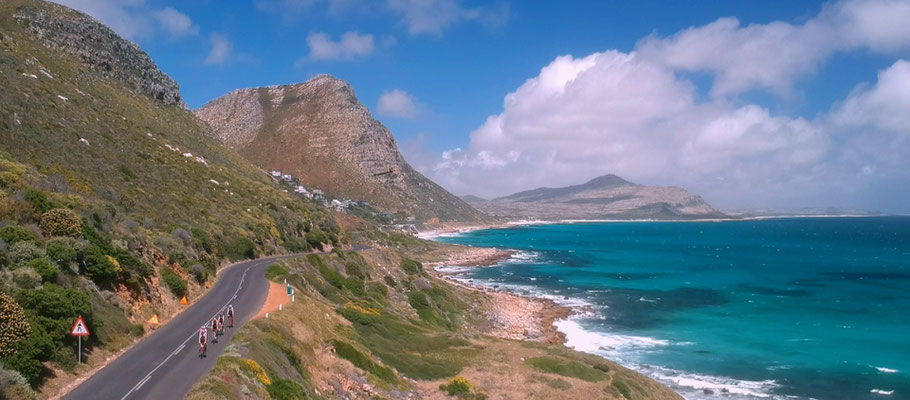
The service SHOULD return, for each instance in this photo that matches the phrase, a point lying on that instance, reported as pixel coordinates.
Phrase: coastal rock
(321, 134)
(100, 48)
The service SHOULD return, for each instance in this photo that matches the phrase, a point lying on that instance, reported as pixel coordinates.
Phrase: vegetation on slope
(398, 332)
(112, 204)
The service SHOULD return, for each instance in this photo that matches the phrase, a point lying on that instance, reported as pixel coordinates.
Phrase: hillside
(604, 197)
(319, 132)
(113, 201)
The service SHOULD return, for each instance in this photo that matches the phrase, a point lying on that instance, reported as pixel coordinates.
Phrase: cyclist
(203, 339)
(221, 322)
(230, 313)
(215, 329)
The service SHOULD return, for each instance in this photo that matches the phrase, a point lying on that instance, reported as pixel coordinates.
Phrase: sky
(770, 104)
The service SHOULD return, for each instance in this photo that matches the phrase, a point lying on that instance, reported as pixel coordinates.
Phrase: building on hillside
(287, 177)
(275, 173)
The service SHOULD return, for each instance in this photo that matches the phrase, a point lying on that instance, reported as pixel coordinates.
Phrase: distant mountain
(604, 197)
(319, 132)
(470, 199)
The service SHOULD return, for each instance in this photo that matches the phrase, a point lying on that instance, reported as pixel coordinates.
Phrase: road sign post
(79, 330)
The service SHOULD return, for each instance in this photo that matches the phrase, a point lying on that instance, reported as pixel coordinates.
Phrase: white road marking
(142, 382)
(234, 296)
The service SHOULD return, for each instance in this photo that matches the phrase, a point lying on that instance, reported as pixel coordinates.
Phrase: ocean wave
(693, 386)
(581, 339)
(523, 257)
(882, 392)
(885, 370)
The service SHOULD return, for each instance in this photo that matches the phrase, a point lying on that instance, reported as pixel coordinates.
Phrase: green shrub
(295, 245)
(460, 387)
(348, 352)
(11, 234)
(45, 268)
(173, 281)
(38, 200)
(198, 272)
(65, 359)
(285, 389)
(566, 368)
(331, 276)
(275, 271)
(64, 250)
(23, 252)
(355, 285)
(26, 278)
(99, 266)
(411, 267)
(390, 281)
(50, 312)
(239, 249)
(316, 238)
(61, 222)
(623, 388)
(418, 300)
(202, 241)
(4, 259)
(13, 325)
(352, 269)
(377, 289)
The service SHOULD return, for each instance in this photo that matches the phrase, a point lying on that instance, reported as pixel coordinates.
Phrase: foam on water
(886, 370)
(882, 392)
(580, 339)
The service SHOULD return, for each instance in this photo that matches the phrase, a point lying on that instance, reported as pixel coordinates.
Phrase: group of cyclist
(217, 328)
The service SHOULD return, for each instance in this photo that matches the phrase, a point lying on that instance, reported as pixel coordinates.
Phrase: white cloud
(770, 56)
(636, 115)
(221, 49)
(175, 23)
(433, 16)
(134, 19)
(351, 45)
(397, 103)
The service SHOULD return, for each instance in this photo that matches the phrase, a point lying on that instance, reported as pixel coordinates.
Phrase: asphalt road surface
(166, 364)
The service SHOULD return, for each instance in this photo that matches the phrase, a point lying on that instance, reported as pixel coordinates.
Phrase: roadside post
(79, 330)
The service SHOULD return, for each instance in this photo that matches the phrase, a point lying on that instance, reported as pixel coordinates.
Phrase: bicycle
(202, 349)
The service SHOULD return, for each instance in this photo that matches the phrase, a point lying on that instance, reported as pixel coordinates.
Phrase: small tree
(61, 222)
(13, 325)
(99, 266)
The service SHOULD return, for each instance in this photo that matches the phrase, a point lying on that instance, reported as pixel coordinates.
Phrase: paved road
(166, 364)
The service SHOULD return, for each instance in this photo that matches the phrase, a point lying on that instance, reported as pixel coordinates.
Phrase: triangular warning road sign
(154, 319)
(183, 300)
(79, 328)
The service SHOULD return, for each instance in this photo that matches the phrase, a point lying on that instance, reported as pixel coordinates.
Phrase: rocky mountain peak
(319, 132)
(99, 47)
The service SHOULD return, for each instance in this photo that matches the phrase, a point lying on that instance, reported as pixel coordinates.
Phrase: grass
(567, 368)
(348, 352)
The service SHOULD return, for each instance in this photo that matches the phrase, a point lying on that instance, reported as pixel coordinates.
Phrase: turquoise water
(787, 308)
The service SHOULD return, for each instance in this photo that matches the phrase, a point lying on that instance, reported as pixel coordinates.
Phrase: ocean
(811, 308)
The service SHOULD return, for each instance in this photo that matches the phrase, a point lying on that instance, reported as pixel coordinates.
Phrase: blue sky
(447, 66)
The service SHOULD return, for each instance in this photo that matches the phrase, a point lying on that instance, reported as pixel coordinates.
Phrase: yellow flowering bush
(254, 368)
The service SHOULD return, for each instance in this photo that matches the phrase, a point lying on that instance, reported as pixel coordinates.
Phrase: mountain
(604, 197)
(114, 202)
(471, 199)
(320, 133)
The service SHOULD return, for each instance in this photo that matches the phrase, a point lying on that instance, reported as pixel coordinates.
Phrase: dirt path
(278, 294)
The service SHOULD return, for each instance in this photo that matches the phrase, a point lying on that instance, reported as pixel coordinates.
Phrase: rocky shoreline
(513, 316)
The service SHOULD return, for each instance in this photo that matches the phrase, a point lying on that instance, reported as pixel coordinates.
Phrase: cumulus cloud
(634, 114)
(351, 45)
(175, 23)
(434, 16)
(770, 56)
(134, 19)
(221, 49)
(397, 103)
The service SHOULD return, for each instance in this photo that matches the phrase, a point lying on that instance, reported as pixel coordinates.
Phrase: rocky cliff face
(605, 197)
(78, 34)
(319, 132)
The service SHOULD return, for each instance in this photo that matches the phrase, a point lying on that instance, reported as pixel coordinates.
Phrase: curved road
(166, 364)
